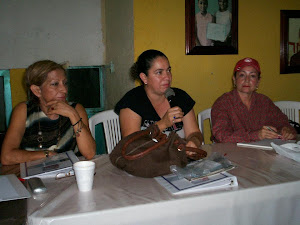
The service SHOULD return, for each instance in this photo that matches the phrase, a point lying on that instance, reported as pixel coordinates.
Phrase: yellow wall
(18, 92)
(160, 24)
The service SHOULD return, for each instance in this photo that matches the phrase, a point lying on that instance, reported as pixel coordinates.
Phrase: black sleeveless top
(56, 134)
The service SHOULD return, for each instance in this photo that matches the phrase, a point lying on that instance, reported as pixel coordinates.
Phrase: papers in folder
(176, 186)
(265, 144)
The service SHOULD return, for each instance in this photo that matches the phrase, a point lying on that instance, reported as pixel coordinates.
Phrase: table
(12, 212)
(268, 193)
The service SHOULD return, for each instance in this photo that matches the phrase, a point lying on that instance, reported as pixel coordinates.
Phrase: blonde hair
(37, 73)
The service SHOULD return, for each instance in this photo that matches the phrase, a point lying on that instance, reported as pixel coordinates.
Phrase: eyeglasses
(63, 175)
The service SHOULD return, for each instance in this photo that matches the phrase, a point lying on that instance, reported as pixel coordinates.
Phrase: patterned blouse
(55, 134)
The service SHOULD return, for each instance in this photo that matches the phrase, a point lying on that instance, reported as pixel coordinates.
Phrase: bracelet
(77, 122)
(195, 137)
(79, 128)
(46, 153)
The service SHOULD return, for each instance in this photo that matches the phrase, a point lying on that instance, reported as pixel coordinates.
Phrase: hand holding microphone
(175, 112)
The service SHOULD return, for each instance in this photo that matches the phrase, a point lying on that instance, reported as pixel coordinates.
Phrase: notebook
(11, 188)
(265, 144)
(50, 167)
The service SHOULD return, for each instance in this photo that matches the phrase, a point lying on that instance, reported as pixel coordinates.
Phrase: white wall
(120, 49)
(59, 30)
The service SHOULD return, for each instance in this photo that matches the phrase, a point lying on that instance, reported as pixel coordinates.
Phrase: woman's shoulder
(209, 15)
(76, 105)
(262, 98)
(183, 100)
(20, 110)
(21, 106)
(133, 98)
(181, 94)
(133, 93)
(136, 90)
(179, 91)
(226, 96)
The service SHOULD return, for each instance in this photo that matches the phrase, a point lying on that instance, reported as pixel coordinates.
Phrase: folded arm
(11, 152)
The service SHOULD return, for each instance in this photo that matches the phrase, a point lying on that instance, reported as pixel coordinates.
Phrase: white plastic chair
(289, 108)
(203, 115)
(111, 125)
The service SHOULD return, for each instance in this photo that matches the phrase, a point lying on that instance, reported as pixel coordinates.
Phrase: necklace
(40, 133)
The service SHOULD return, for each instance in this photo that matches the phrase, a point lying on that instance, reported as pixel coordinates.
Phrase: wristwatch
(46, 153)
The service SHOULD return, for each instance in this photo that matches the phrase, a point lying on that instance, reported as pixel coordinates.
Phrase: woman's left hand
(193, 145)
(287, 134)
(59, 108)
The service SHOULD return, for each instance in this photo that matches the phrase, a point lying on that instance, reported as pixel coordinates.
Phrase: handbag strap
(200, 153)
(161, 138)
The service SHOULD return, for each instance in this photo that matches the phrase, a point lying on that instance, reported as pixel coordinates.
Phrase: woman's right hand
(173, 115)
(265, 133)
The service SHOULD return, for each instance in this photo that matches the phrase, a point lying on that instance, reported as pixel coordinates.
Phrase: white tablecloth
(268, 193)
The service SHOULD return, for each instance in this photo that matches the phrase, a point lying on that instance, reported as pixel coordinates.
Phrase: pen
(270, 129)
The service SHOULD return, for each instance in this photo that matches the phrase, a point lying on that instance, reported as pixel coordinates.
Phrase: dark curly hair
(144, 63)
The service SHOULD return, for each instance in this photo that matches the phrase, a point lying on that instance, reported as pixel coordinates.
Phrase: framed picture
(211, 27)
(289, 41)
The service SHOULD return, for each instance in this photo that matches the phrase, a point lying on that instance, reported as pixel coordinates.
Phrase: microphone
(170, 94)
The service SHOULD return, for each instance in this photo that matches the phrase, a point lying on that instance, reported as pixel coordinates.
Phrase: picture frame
(214, 30)
(289, 41)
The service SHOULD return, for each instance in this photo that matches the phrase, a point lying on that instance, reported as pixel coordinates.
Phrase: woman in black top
(147, 104)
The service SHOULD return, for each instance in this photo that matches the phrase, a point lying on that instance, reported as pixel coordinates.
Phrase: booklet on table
(50, 167)
(175, 185)
(201, 175)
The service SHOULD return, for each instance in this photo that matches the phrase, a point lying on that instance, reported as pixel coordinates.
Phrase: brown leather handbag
(150, 153)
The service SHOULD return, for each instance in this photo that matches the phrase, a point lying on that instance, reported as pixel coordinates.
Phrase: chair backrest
(289, 108)
(203, 115)
(111, 126)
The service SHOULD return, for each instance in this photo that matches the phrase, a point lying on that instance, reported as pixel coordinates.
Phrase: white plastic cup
(84, 172)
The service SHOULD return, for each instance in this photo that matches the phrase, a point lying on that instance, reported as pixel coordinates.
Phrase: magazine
(60, 163)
